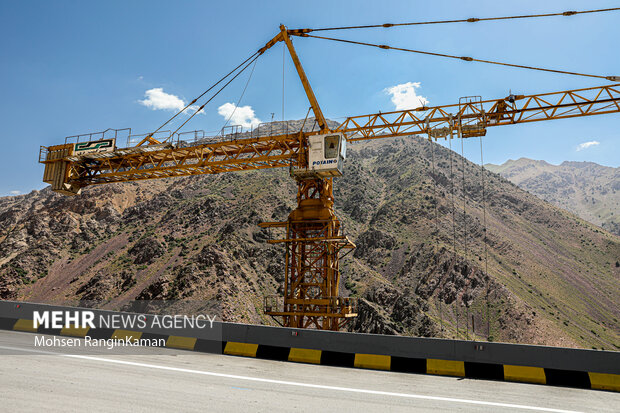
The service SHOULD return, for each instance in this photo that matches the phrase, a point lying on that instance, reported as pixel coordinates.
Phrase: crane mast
(313, 240)
(313, 236)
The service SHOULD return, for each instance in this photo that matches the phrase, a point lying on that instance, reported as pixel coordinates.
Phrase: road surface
(31, 380)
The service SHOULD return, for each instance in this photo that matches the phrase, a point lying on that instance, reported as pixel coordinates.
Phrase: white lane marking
(298, 384)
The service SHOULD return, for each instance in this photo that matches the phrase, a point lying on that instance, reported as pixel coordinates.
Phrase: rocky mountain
(420, 268)
(589, 190)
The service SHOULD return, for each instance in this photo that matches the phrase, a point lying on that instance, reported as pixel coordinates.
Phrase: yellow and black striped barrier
(454, 368)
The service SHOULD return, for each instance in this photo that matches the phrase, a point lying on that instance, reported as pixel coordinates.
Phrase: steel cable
(204, 93)
(484, 224)
(465, 251)
(469, 20)
(453, 231)
(218, 92)
(465, 58)
(240, 98)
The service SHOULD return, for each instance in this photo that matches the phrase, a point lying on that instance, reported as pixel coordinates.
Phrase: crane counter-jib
(68, 171)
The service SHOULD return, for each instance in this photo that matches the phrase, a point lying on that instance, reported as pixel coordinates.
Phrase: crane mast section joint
(277, 38)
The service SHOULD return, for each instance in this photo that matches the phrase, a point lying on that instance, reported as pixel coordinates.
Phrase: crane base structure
(313, 240)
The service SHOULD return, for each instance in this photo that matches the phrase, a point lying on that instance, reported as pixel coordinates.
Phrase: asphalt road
(189, 381)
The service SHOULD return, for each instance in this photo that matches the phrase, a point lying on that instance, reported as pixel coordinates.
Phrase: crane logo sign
(324, 162)
(104, 145)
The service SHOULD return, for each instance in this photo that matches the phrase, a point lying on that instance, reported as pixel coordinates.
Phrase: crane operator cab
(326, 155)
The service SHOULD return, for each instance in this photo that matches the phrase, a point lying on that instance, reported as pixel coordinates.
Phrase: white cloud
(404, 96)
(586, 145)
(15, 192)
(239, 115)
(193, 109)
(157, 99)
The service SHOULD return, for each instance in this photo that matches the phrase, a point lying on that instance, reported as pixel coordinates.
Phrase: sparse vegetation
(197, 238)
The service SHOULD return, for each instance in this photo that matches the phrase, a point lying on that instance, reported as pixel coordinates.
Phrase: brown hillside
(552, 277)
(588, 190)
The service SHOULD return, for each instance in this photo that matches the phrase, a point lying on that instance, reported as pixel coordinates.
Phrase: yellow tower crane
(313, 234)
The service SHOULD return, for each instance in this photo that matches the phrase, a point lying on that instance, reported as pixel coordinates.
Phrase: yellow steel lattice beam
(508, 111)
(242, 154)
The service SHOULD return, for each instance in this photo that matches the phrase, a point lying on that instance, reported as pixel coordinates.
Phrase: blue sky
(70, 67)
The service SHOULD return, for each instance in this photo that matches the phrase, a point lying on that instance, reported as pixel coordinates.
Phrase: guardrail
(186, 138)
(93, 136)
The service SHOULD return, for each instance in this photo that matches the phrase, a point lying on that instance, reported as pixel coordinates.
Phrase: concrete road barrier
(557, 366)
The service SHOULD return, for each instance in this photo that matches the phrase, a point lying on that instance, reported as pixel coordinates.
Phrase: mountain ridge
(587, 189)
(551, 279)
